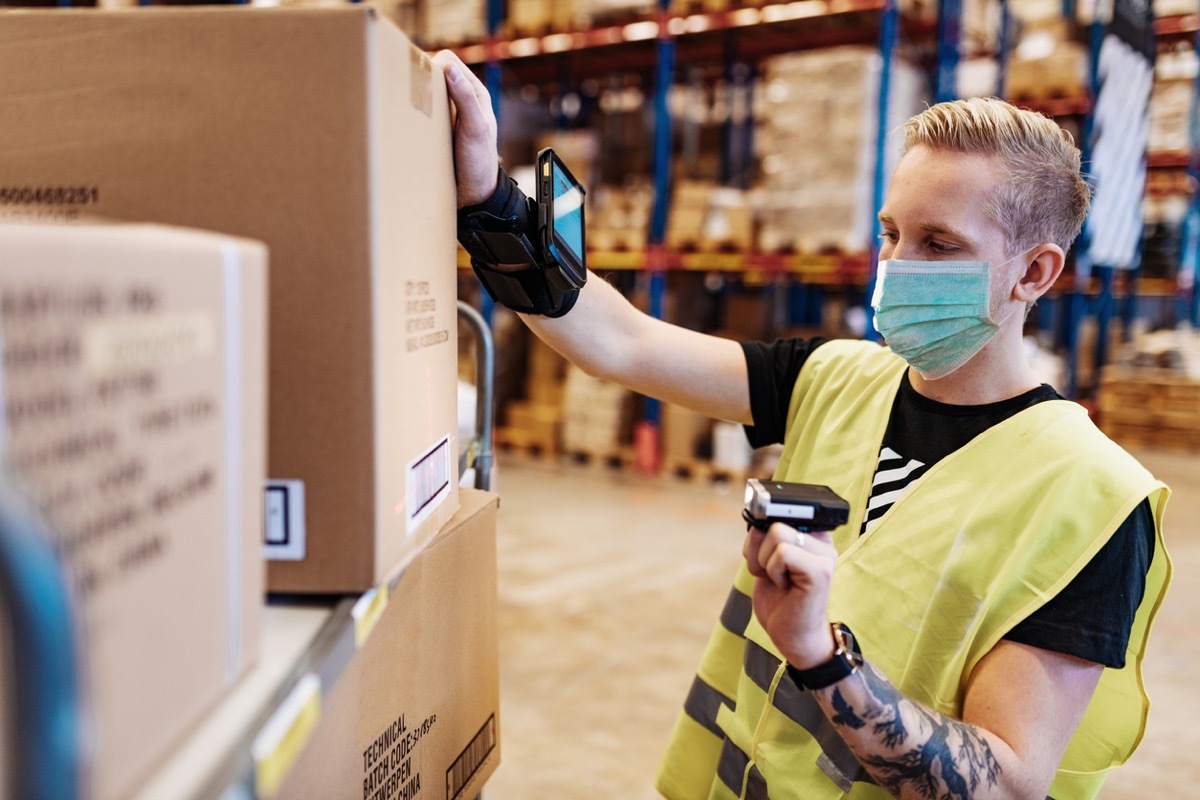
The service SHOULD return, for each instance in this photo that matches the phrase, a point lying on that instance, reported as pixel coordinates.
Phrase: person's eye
(941, 247)
(889, 236)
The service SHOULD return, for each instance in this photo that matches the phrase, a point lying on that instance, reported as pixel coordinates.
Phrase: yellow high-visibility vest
(987, 536)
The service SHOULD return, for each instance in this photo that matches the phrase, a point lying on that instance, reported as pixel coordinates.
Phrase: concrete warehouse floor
(610, 583)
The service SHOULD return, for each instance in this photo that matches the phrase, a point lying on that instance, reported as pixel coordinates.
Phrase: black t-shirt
(1092, 616)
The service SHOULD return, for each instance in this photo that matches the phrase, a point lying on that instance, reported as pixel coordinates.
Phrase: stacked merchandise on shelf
(1170, 8)
(1150, 394)
(705, 216)
(449, 22)
(536, 421)
(618, 217)
(686, 440)
(597, 416)
(1171, 101)
(536, 17)
(816, 114)
(1046, 62)
(1162, 236)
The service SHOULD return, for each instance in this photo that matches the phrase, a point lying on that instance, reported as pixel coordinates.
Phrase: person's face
(936, 211)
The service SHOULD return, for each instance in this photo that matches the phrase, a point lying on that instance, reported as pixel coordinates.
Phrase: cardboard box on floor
(416, 712)
(325, 134)
(135, 408)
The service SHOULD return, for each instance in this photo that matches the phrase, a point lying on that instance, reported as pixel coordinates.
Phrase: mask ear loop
(1009, 260)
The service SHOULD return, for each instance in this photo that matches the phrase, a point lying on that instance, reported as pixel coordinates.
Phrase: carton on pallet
(597, 415)
(815, 140)
(223, 119)
(135, 408)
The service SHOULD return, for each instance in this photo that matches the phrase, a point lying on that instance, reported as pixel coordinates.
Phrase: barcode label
(427, 483)
(283, 521)
(460, 773)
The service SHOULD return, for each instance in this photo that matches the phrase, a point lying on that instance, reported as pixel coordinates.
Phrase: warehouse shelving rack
(655, 43)
(241, 750)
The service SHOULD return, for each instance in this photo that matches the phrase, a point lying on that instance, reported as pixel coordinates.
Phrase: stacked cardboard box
(1046, 62)
(816, 116)
(416, 713)
(536, 17)
(1149, 406)
(979, 20)
(1171, 100)
(602, 11)
(618, 218)
(1150, 394)
(705, 216)
(449, 22)
(686, 439)
(135, 410)
(342, 165)
(597, 416)
(536, 421)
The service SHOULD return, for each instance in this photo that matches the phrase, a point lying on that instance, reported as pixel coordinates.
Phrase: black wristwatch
(846, 660)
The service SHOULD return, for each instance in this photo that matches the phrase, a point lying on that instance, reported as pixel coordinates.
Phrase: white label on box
(427, 483)
(283, 521)
(132, 342)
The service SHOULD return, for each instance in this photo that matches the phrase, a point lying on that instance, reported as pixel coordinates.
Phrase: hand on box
(475, 138)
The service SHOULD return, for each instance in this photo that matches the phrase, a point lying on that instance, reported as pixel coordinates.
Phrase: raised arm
(603, 333)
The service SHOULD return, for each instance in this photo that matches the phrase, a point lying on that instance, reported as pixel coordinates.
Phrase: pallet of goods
(597, 418)
(815, 121)
(1153, 396)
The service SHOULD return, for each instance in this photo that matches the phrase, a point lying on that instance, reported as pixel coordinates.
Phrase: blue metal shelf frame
(1190, 253)
(888, 34)
(1076, 299)
(491, 78)
(949, 34)
(648, 435)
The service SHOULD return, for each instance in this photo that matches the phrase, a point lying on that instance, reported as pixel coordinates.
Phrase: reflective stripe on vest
(703, 703)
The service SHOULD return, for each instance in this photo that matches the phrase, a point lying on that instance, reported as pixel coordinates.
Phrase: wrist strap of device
(496, 234)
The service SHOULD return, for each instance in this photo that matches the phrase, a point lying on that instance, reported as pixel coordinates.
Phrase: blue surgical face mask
(935, 315)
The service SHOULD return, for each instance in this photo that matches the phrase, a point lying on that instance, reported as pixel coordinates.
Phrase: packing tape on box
(284, 735)
(366, 613)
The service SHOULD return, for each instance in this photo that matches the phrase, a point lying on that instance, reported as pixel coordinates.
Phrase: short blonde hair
(1045, 198)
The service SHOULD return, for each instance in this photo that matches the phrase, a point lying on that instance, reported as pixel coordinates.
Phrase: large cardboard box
(325, 134)
(134, 399)
(416, 712)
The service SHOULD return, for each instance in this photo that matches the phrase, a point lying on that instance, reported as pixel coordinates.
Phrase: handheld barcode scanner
(803, 506)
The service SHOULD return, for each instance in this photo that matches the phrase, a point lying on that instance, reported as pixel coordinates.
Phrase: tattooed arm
(1021, 707)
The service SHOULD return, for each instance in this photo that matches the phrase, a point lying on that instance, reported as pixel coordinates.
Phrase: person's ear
(1044, 264)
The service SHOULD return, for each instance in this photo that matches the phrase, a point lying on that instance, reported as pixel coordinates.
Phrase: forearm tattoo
(905, 745)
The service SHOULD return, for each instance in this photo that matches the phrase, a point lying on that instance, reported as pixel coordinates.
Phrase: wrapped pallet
(597, 416)
(816, 122)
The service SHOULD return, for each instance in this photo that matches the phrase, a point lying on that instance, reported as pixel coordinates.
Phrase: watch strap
(844, 662)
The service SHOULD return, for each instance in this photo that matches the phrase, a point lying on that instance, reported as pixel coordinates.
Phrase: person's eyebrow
(932, 227)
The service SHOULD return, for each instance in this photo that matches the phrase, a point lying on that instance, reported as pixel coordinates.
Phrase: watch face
(848, 644)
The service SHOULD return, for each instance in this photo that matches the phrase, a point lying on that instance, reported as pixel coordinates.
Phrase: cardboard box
(416, 713)
(324, 133)
(135, 408)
